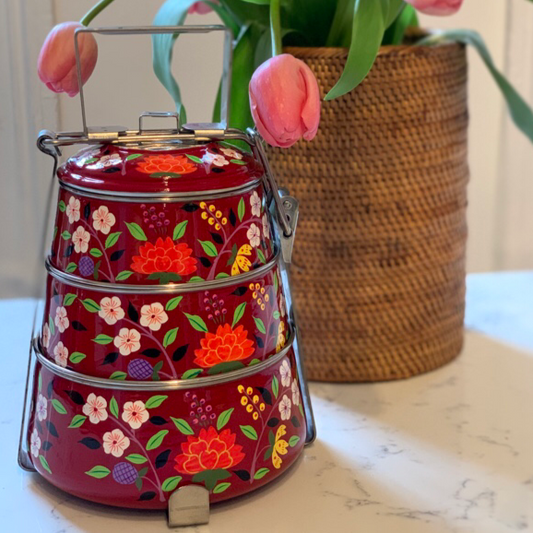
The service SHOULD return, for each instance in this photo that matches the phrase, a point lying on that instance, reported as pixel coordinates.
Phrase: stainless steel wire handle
(158, 30)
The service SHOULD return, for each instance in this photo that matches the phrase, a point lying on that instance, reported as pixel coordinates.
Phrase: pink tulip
(285, 101)
(201, 8)
(57, 62)
(436, 7)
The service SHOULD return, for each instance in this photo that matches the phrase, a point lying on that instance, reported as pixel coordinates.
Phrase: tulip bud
(436, 7)
(285, 101)
(201, 8)
(57, 61)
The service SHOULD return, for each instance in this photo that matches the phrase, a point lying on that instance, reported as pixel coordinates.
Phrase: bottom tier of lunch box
(132, 444)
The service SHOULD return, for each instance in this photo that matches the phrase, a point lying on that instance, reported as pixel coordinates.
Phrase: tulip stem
(94, 11)
(275, 27)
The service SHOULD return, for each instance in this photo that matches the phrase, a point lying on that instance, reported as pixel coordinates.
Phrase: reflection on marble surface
(450, 451)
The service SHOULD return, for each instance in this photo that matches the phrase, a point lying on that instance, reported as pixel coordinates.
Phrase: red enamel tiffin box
(167, 370)
(164, 264)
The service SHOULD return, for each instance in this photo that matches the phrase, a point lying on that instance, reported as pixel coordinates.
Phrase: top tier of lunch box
(172, 168)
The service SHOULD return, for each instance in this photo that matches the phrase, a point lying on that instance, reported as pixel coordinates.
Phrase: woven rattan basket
(379, 266)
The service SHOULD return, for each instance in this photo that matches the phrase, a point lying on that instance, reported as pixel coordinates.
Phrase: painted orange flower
(164, 256)
(224, 346)
(166, 163)
(209, 451)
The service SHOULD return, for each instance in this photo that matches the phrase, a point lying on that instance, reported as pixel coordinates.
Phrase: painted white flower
(45, 336)
(73, 210)
(35, 443)
(95, 408)
(282, 305)
(108, 161)
(232, 154)
(61, 320)
(110, 310)
(103, 220)
(135, 414)
(127, 341)
(115, 442)
(254, 235)
(81, 239)
(61, 354)
(295, 393)
(285, 372)
(285, 408)
(42, 407)
(215, 159)
(153, 316)
(255, 202)
(266, 226)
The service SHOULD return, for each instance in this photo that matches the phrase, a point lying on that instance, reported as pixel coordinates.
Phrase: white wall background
(501, 188)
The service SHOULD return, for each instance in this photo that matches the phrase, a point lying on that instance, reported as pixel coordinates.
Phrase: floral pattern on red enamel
(133, 449)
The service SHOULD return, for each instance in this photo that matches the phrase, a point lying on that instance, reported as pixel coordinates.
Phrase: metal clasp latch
(291, 208)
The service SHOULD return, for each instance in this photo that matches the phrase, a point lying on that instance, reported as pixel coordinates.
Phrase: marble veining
(450, 451)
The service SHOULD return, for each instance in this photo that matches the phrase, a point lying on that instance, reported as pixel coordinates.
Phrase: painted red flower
(209, 451)
(164, 256)
(166, 163)
(224, 346)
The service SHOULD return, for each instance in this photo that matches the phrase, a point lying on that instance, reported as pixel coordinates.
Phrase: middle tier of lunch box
(156, 334)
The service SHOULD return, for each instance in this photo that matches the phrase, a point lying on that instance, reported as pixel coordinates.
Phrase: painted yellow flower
(281, 337)
(241, 260)
(280, 446)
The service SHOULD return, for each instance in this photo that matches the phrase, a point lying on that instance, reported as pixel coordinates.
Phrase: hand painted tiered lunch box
(166, 370)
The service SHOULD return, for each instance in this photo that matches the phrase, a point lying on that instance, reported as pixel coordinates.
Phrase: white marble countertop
(450, 451)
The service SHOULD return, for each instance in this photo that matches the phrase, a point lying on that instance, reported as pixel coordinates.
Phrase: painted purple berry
(167, 222)
(187, 395)
(86, 266)
(213, 416)
(202, 401)
(145, 214)
(162, 215)
(203, 418)
(124, 473)
(140, 369)
(208, 408)
(153, 218)
(159, 224)
(193, 405)
(195, 421)
(199, 410)
(146, 220)
(151, 226)
(221, 303)
(210, 317)
(192, 414)
(217, 313)
(143, 206)
(152, 209)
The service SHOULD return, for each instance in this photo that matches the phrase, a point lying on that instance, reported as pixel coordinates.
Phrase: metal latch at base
(188, 506)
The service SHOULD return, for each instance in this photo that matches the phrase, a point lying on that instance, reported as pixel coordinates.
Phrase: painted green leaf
(69, 299)
(90, 305)
(95, 252)
(223, 418)
(254, 362)
(195, 159)
(196, 322)
(238, 162)
(103, 339)
(196, 279)
(136, 458)
(249, 431)
(156, 440)
(44, 463)
(71, 267)
(113, 407)
(241, 209)
(51, 325)
(118, 375)
(40, 382)
(66, 235)
(131, 157)
(262, 472)
(59, 407)
(143, 471)
(275, 386)
(136, 231)
(170, 337)
(76, 357)
(191, 373)
(276, 282)
(293, 441)
(276, 315)
(98, 472)
(182, 425)
(260, 325)
(165, 175)
(171, 483)
(155, 401)
(173, 303)
(209, 248)
(77, 421)
(260, 256)
(222, 275)
(90, 160)
(112, 239)
(221, 487)
(238, 314)
(62, 206)
(228, 366)
(179, 230)
(125, 274)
